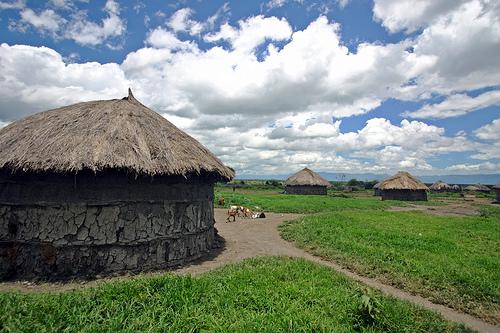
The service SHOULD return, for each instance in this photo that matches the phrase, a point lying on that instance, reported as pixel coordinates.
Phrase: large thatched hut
(306, 181)
(403, 186)
(103, 186)
(496, 188)
(440, 186)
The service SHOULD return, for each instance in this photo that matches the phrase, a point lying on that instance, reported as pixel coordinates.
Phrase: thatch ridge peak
(402, 180)
(306, 177)
(121, 134)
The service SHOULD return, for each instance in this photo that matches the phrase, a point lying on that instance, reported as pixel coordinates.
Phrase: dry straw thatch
(306, 177)
(440, 186)
(478, 188)
(471, 188)
(117, 134)
(402, 181)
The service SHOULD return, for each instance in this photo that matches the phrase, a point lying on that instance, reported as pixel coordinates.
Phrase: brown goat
(231, 213)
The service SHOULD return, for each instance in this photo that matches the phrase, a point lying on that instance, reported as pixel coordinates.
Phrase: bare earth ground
(452, 207)
(248, 238)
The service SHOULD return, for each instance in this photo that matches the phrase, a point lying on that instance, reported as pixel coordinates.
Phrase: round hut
(478, 188)
(483, 188)
(440, 186)
(471, 188)
(496, 188)
(403, 186)
(376, 189)
(306, 182)
(100, 187)
(456, 188)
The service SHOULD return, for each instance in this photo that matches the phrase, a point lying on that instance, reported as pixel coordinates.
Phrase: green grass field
(282, 203)
(452, 260)
(258, 295)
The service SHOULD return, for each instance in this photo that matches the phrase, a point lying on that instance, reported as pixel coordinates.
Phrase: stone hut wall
(306, 190)
(405, 195)
(57, 227)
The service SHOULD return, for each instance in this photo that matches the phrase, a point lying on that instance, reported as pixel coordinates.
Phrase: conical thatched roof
(402, 181)
(482, 188)
(456, 187)
(440, 186)
(478, 187)
(376, 186)
(471, 188)
(497, 186)
(118, 134)
(306, 177)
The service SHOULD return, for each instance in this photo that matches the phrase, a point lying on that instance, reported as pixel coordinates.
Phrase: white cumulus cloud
(409, 15)
(76, 26)
(268, 98)
(456, 105)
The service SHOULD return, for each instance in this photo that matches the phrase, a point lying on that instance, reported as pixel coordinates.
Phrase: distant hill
(487, 179)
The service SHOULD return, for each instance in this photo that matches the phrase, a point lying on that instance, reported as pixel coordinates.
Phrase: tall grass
(452, 260)
(258, 295)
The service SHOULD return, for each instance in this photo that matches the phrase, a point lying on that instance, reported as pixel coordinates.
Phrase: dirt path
(253, 238)
(451, 207)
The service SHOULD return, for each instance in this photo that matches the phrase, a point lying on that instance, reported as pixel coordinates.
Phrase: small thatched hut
(496, 188)
(403, 186)
(103, 186)
(470, 188)
(483, 188)
(306, 182)
(478, 188)
(440, 186)
(456, 188)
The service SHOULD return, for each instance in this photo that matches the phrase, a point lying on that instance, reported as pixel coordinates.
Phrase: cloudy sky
(272, 86)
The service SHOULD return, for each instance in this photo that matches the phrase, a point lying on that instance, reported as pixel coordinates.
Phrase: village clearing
(357, 235)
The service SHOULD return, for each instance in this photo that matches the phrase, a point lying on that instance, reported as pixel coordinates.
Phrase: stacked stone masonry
(306, 190)
(404, 195)
(58, 228)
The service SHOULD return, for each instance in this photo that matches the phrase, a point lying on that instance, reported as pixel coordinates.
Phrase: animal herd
(240, 211)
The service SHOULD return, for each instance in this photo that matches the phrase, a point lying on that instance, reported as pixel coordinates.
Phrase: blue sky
(272, 86)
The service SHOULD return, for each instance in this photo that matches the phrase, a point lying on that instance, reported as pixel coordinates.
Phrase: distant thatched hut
(456, 188)
(496, 188)
(440, 186)
(483, 188)
(470, 188)
(403, 186)
(306, 181)
(478, 188)
(102, 186)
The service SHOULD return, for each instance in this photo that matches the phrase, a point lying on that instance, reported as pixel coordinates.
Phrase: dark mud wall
(405, 195)
(59, 227)
(306, 190)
